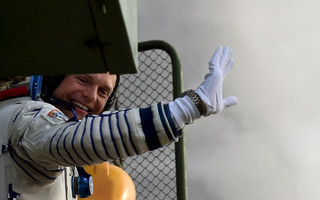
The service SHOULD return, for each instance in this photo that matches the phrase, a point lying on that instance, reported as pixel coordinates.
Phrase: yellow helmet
(110, 182)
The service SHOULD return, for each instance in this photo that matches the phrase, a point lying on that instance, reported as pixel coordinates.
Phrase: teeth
(80, 105)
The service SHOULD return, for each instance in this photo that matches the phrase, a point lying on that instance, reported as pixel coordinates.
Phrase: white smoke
(268, 146)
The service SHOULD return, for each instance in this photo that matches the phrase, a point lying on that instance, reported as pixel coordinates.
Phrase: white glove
(184, 111)
(210, 90)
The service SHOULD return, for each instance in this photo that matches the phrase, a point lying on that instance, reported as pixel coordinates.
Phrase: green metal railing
(159, 174)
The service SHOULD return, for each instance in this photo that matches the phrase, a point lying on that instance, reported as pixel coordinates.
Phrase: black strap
(12, 195)
(59, 102)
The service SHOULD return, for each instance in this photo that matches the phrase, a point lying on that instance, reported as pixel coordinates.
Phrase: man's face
(88, 92)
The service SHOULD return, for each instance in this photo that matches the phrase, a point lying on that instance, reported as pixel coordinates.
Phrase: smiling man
(88, 92)
(42, 142)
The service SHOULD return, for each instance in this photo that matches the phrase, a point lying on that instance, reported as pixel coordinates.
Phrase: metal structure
(61, 37)
(160, 174)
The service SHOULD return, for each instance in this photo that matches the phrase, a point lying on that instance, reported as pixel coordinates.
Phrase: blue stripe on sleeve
(111, 134)
(53, 170)
(149, 128)
(57, 145)
(64, 146)
(164, 123)
(171, 122)
(102, 139)
(121, 136)
(21, 167)
(92, 140)
(12, 154)
(129, 131)
(15, 118)
(84, 131)
(38, 111)
(74, 149)
(50, 145)
(35, 169)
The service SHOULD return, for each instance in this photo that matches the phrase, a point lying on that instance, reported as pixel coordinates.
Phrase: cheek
(99, 106)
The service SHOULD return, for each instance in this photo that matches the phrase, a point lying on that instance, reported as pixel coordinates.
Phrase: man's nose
(90, 93)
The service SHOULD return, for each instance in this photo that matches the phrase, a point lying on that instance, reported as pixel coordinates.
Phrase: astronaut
(42, 141)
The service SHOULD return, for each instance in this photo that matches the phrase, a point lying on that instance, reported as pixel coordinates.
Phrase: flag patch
(57, 114)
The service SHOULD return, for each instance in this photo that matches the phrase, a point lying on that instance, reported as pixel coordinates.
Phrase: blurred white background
(268, 146)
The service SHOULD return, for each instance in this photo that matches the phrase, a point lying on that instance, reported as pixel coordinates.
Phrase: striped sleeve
(45, 143)
(158, 126)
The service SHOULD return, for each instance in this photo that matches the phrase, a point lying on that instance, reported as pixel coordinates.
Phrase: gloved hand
(185, 110)
(210, 90)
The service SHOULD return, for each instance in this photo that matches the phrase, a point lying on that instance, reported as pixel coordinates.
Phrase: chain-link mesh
(154, 173)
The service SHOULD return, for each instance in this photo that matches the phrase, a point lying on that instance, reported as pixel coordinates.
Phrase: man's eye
(82, 80)
(104, 93)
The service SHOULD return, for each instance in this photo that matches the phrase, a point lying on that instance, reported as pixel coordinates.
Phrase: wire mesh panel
(154, 173)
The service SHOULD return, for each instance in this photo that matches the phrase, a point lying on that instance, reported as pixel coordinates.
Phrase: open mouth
(79, 105)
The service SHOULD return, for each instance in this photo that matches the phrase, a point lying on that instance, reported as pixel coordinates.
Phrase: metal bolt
(104, 8)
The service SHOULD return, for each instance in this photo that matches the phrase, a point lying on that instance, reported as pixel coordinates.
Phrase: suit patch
(56, 114)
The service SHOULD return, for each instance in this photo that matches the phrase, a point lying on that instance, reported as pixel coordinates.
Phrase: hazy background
(268, 146)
